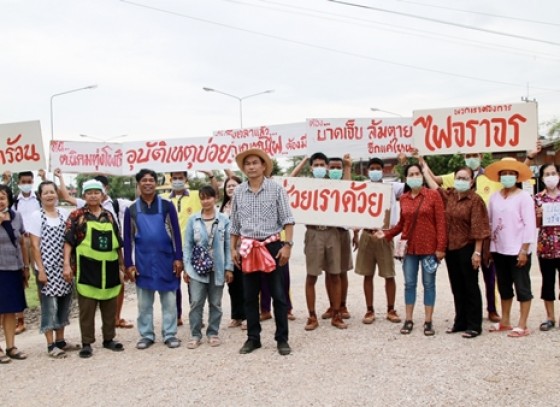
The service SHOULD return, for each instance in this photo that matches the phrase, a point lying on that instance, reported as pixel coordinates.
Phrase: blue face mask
(25, 188)
(375, 175)
(319, 172)
(414, 182)
(462, 185)
(473, 163)
(508, 181)
(335, 174)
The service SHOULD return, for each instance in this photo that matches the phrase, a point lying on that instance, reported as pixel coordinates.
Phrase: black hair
(541, 184)
(207, 191)
(469, 170)
(103, 179)
(145, 171)
(185, 173)
(334, 159)
(226, 197)
(44, 184)
(318, 156)
(405, 174)
(25, 174)
(377, 161)
(8, 191)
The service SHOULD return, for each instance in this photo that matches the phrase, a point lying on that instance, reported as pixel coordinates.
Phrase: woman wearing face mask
(548, 243)
(513, 229)
(422, 224)
(467, 227)
(236, 286)
(14, 273)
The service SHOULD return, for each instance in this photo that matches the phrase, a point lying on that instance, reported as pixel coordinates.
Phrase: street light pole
(239, 98)
(64, 93)
(375, 109)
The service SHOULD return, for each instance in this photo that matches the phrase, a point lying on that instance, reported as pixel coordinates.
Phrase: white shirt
(26, 206)
(34, 221)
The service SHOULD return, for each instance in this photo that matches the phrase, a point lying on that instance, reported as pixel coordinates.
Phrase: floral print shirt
(548, 243)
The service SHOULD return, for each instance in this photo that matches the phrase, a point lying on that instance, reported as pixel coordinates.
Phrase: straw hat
(240, 158)
(507, 163)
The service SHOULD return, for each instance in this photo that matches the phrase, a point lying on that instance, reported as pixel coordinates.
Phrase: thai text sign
(283, 140)
(21, 147)
(551, 214)
(362, 137)
(473, 129)
(326, 202)
(81, 156)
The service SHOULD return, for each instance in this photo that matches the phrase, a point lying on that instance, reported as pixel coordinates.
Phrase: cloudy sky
(151, 59)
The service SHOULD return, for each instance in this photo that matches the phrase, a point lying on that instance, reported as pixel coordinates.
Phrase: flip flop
(518, 332)
(498, 327)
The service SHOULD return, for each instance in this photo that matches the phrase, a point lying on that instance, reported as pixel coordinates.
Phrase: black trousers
(236, 295)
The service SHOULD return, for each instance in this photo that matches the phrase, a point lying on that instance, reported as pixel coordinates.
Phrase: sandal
(453, 330)
(4, 359)
(547, 325)
(429, 329)
(14, 353)
(85, 352)
(407, 327)
(518, 332)
(57, 353)
(113, 345)
(123, 323)
(214, 341)
(66, 346)
(393, 316)
(235, 323)
(498, 327)
(470, 333)
(193, 343)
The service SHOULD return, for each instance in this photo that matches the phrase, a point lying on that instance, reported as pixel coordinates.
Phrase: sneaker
(344, 314)
(368, 318)
(327, 314)
(283, 348)
(249, 346)
(393, 316)
(312, 323)
(337, 321)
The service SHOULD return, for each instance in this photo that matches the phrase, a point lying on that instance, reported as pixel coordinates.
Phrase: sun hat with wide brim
(240, 158)
(507, 163)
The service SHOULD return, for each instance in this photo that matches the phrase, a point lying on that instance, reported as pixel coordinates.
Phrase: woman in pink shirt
(513, 229)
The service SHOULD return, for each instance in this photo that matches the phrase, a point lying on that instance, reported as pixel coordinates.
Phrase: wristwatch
(289, 243)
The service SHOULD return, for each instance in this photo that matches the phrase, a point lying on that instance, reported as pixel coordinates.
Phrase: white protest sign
(282, 140)
(341, 203)
(551, 214)
(21, 147)
(388, 137)
(82, 156)
(336, 137)
(476, 129)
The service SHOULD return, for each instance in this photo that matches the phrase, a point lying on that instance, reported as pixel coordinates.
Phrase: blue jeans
(55, 312)
(145, 319)
(199, 292)
(410, 268)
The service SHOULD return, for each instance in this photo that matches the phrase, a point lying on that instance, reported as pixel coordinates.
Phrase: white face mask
(551, 181)
(178, 185)
(25, 188)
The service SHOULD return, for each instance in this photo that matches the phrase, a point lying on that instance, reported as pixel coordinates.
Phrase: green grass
(31, 293)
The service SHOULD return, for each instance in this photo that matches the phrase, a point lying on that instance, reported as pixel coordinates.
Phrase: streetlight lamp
(64, 93)
(239, 98)
(375, 109)
(104, 140)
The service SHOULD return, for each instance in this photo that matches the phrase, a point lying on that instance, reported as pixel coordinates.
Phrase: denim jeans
(55, 312)
(145, 319)
(410, 268)
(199, 292)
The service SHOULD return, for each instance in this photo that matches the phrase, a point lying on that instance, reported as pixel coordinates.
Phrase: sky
(150, 60)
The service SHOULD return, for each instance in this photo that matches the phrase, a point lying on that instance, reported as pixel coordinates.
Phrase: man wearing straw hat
(260, 211)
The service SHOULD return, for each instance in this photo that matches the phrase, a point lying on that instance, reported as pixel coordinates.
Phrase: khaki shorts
(322, 251)
(346, 262)
(374, 253)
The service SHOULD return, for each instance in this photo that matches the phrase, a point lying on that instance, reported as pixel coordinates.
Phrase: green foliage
(276, 169)
(119, 187)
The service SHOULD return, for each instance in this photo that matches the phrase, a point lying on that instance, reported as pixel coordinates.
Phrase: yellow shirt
(186, 205)
(485, 187)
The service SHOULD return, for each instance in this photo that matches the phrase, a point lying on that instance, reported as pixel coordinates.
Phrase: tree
(119, 187)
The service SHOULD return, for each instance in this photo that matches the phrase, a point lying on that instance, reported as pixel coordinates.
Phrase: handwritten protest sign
(362, 137)
(282, 140)
(21, 146)
(551, 214)
(81, 156)
(490, 128)
(325, 202)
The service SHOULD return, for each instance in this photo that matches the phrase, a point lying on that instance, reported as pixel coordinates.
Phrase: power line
(525, 20)
(435, 20)
(401, 30)
(333, 50)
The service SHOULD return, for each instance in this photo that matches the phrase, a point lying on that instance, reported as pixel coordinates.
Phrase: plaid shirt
(260, 214)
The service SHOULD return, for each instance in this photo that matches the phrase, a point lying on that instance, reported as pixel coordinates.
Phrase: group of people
(474, 218)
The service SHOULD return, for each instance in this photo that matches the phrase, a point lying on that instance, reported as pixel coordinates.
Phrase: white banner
(551, 214)
(340, 203)
(86, 157)
(476, 129)
(361, 137)
(21, 147)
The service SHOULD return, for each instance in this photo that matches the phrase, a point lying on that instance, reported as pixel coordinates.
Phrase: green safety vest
(98, 262)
